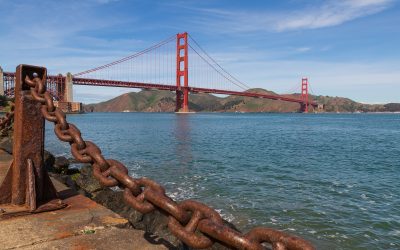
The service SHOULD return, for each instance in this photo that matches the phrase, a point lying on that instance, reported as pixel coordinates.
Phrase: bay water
(330, 178)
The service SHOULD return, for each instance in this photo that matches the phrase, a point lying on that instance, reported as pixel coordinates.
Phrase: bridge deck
(126, 84)
(84, 224)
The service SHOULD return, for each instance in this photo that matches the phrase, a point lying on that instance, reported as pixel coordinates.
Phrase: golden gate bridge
(177, 64)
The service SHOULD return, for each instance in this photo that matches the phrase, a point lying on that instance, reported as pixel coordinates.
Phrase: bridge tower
(304, 94)
(182, 94)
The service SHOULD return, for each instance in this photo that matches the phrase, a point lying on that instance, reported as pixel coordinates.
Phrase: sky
(348, 48)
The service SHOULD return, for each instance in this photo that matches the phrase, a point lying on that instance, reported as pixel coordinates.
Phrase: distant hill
(164, 101)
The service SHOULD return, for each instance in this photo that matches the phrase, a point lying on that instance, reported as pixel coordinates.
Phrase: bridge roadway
(128, 84)
(84, 224)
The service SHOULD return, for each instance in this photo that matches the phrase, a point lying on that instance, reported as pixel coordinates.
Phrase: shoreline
(243, 112)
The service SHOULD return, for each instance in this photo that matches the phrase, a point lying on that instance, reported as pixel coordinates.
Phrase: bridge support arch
(68, 89)
(182, 93)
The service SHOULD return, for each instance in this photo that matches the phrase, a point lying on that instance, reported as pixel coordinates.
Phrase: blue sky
(346, 47)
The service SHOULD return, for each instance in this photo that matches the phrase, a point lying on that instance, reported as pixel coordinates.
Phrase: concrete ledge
(111, 238)
(84, 224)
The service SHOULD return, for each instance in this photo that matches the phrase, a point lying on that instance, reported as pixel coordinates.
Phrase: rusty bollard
(27, 187)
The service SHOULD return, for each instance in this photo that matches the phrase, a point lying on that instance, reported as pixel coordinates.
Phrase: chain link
(194, 223)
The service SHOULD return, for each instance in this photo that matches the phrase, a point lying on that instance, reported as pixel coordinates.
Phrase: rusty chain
(7, 119)
(194, 223)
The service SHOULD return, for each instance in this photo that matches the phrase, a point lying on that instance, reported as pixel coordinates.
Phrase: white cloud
(105, 1)
(61, 36)
(303, 49)
(363, 3)
(330, 13)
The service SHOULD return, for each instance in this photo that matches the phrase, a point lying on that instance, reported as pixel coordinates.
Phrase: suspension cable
(219, 66)
(128, 57)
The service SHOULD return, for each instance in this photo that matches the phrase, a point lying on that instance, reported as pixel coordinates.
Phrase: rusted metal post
(27, 186)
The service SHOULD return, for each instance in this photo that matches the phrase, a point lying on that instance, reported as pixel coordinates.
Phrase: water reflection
(182, 133)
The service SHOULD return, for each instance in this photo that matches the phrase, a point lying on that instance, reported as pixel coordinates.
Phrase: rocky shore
(80, 179)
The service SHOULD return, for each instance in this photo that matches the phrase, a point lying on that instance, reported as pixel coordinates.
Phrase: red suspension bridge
(166, 65)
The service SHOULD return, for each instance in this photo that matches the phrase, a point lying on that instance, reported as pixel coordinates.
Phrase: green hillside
(164, 101)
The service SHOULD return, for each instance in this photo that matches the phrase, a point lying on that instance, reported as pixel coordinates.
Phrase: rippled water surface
(331, 178)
